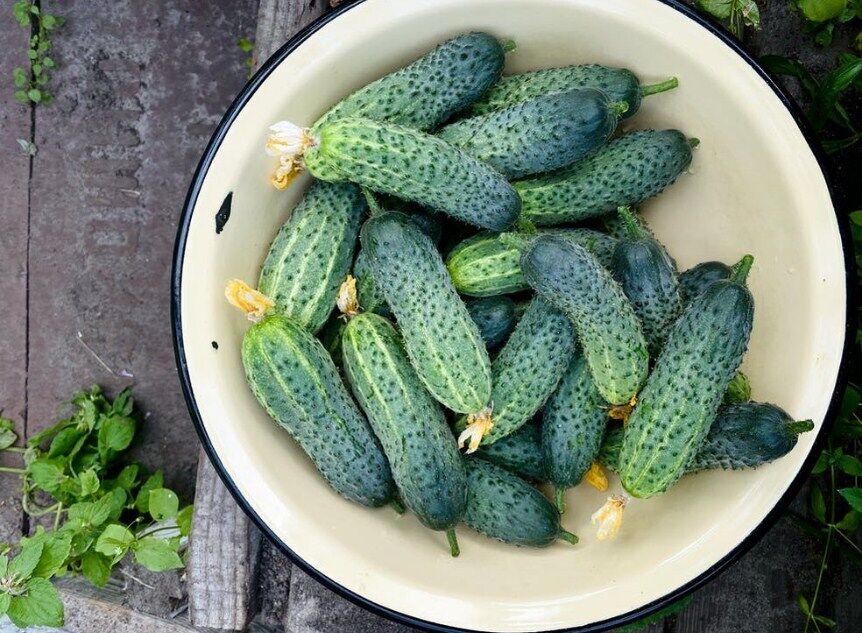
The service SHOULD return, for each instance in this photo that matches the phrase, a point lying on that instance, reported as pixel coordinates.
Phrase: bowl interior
(754, 187)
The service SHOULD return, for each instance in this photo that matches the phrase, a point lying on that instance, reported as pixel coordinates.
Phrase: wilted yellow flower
(255, 304)
(478, 426)
(346, 299)
(610, 517)
(596, 477)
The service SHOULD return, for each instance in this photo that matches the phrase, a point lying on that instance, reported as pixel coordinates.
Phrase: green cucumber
(295, 380)
(430, 90)
(482, 266)
(441, 339)
(626, 171)
(619, 84)
(697, 279)
(741, 436)
(570, 278)
(573, 424)
(495, 317)
(505, 507)
(415, 166)
(370, 297)
(409, 423)
(539, 135)
(648, 276)
(614, 225)
(519, 452)
(684, 390)
(311, 254)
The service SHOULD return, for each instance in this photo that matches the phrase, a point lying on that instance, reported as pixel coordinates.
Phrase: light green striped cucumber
(648, 276)
(415, 436)
(482, 266)
(414, 166)
(570, 278)
(311, 254)
(684, 391)
(626, 171)
(539, 135)
(293, 377)
(495, 317)
(519, 453)
(441, 339)
(619, 84)
(505, 507)
(430, 90)
(573, 424)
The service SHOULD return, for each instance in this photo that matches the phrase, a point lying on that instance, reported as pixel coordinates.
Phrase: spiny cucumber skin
(626, 171)
(573, 424)
(529, 367)
(697, 279)
(409, 423)
(536, 136)
(495, 317)
(441, 339)
(614, 225)
(683, 393)
(618, 84)
(649, 279)
(482, 266)
(612, 444)
(571, 279)
(368, 295)
(505, 507)
(430, 90)
(738, 391)
(296, 382)
(311, 254)
(415, 166)
(519, 452)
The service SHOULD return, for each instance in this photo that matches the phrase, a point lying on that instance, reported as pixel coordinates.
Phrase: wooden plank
(272, 587)
(279, 20)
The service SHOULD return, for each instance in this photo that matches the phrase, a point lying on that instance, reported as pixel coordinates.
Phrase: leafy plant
(102, 509)
(820, 17)
(736, 14)
(247, 46)
(31, 84)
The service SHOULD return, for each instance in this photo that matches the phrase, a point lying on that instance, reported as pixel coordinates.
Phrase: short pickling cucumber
(482, 266)
(570, 278)
(495, 317)
(441, 339)
(409, 423)
(618, 83)
(648, 276)
(741, 436)
(311, 254)
(573, 424)
(415, 166)
(519, 452)
(626, 171)
(540, 135)
(684, 391)
(525, 372)
(293, 377)
(695, 280)
(505, 507)
(430, 90)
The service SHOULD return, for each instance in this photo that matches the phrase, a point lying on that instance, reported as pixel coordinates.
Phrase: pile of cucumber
(495, 292)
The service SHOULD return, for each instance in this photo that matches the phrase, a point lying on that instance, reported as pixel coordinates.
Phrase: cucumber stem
(508, 45)
(560, 500)
(397, 506)
(740, 272)
(619, 108)
(800, 426)
(568, 537)
(631, 222)
(662, 86)
(693, 142)
(517, 241)
(374, 208)
(453, 542)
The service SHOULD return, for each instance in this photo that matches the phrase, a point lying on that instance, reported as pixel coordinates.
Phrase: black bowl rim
(755, 535)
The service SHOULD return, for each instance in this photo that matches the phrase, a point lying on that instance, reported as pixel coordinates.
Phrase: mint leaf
(115, 541)
(89, 481)
(7, 433)
(96, 568)
(40, 605)
(184, 520)
(853, 497)
(163, 504)
(115, 435)
(4, 565)
(64, 441)
(128, 477)
(25, 562)
(55, 551)
(822, 10)
(142, 502)
(5, 599)
(156, 554)
(47, 474)
(818, 504)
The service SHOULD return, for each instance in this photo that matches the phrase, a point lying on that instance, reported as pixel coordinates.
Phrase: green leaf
(821, 464)
(850, 465)
(823, 37)
(96, 568)
(717, 8)
(5, 599)
(803, 605)
(4, 565)
(92, 513)
(89, 481)
(184, 520)
(853, 497)
(850, 522)
(49, 21)
(55, 551)
(818, 504)
(21, 96)
(39, 606)
(115, 435)
(19, 77)
(156, 554)
(856, 218)
(245, 45)
(142, 501)
(128, 477)
(25, 562)
(7, 433)
(790, 67)
(123, 403)
(64, 441)
(115, 541)
(163, 504)
(32, 54)
(21, 11)
(48, 62)
(35, 95)
(822, 10)
(47, 473)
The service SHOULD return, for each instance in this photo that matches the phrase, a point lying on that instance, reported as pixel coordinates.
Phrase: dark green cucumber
(626, 171)
(311, 254)
(573, 424)
(412, 165)
(648, 276)
(430, 90)
(519, 452)
(570, 278)
(293, 377)
(441, 339)
(482, 266)
(540, 135)
(505, 507)
(684, 391)
(695, 280)
(495, 317)
(619, 84)
(409, 423)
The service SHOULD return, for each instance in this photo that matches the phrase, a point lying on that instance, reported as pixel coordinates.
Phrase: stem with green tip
(568, 537)
(630, 221)
(740, 271)
(800, 426)
(619, 108)
(374, 208)
(397, 506)
(693, 142)
(514, 240)
(453, 542)
(560, 500)
(662, 86)
(508, 45)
